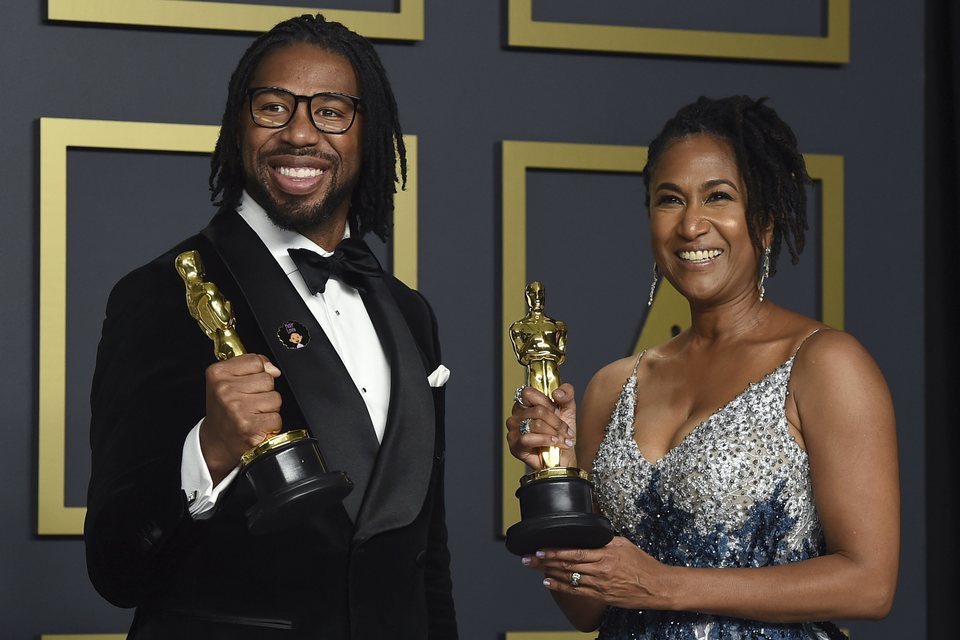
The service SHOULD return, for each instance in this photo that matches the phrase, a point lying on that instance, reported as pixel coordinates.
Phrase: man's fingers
(268, 424)
(245, 365)
(259, 428)
(266, 402)
(255, 384)
(270, 368)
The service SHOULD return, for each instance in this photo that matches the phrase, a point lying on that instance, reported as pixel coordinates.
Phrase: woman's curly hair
(771, 166)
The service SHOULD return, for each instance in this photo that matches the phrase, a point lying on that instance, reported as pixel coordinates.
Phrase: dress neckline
(633, 423)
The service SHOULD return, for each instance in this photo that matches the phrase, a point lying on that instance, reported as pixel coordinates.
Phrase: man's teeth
(300, 172)
(696, 256)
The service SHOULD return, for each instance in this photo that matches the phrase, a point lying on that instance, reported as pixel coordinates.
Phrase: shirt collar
(278, 240)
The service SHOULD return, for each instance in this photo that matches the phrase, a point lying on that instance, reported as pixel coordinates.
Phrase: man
(304, 165)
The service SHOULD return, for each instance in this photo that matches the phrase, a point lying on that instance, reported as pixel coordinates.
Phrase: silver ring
(575, 579)
(518, 396)
(525, 426)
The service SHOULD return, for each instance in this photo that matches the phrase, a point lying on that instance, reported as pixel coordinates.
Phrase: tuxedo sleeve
(443, 623)
(148, 392)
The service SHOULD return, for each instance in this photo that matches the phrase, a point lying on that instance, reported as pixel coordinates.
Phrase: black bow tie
(350, 263)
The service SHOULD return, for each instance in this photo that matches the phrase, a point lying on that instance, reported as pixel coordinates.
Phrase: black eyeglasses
(330, 112)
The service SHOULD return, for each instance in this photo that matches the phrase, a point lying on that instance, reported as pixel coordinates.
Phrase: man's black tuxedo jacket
(384, 573)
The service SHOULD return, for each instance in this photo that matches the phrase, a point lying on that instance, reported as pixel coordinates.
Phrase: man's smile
(299, 172)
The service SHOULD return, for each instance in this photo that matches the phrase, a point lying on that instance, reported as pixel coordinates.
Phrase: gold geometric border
(834, 48)
(405, 24)
(517, 158)
(403, 237)
(669, 307)
(57, 135)
(828, 171)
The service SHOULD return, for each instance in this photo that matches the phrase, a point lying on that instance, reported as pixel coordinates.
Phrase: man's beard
(301, 217)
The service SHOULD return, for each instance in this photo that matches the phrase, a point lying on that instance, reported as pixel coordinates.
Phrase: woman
(774, 511)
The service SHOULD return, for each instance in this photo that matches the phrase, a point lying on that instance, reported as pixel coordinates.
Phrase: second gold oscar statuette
(556, 503)
(286, 470)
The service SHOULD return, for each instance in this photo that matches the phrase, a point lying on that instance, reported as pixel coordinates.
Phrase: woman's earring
(653, 285)
(764, 272)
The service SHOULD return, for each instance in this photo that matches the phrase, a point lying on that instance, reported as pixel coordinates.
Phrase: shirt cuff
(195, 478)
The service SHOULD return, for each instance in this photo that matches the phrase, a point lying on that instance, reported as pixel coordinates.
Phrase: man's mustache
(303, 153)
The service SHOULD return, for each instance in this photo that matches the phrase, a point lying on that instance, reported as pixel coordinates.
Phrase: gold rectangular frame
(520, 156)
(834, 48)
(407, 24)
(57, 135)
(828, 171)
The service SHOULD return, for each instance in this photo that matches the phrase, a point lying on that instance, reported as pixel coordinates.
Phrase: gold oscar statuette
(208, 307)
(286, 470)
(556, 503)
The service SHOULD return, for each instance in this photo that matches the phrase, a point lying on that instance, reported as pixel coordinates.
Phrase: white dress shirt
(340, 312)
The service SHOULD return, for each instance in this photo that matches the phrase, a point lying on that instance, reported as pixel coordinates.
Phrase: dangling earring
(764, 272)
(653, 285)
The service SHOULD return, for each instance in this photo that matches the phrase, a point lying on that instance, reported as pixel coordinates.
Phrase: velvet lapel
(401, 477)
(335, 412)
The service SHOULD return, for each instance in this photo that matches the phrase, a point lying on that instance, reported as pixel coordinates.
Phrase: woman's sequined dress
(734, 493)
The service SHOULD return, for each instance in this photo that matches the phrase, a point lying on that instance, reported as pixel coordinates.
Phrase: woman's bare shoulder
(834, 363)
(605, 386)
(618, 370)
(830, 347)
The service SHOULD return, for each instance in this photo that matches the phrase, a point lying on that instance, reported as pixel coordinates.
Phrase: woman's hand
(537, 423)
(619, 574)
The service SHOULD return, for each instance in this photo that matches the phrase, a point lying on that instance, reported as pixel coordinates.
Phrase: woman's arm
(844, 413)
(585, 612)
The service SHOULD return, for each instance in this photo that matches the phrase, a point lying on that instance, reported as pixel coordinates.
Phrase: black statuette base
(557, 513)
(292, 484)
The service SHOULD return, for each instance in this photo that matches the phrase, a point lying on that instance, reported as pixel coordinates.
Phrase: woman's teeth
(699, 256)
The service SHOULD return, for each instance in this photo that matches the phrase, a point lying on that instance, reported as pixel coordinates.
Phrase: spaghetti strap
(637, 364)
(804, 341)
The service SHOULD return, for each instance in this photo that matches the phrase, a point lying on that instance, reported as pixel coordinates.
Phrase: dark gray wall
(462, 93)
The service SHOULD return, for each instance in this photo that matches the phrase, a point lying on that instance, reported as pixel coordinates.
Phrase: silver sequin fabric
(734, 493)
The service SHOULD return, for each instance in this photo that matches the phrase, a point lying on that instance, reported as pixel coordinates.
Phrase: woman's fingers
(619, 574)
(568, 571)
(528, 397)
(528, 431)
(536, 423)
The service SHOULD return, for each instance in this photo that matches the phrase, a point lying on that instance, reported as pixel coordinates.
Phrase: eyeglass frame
(297, 99)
